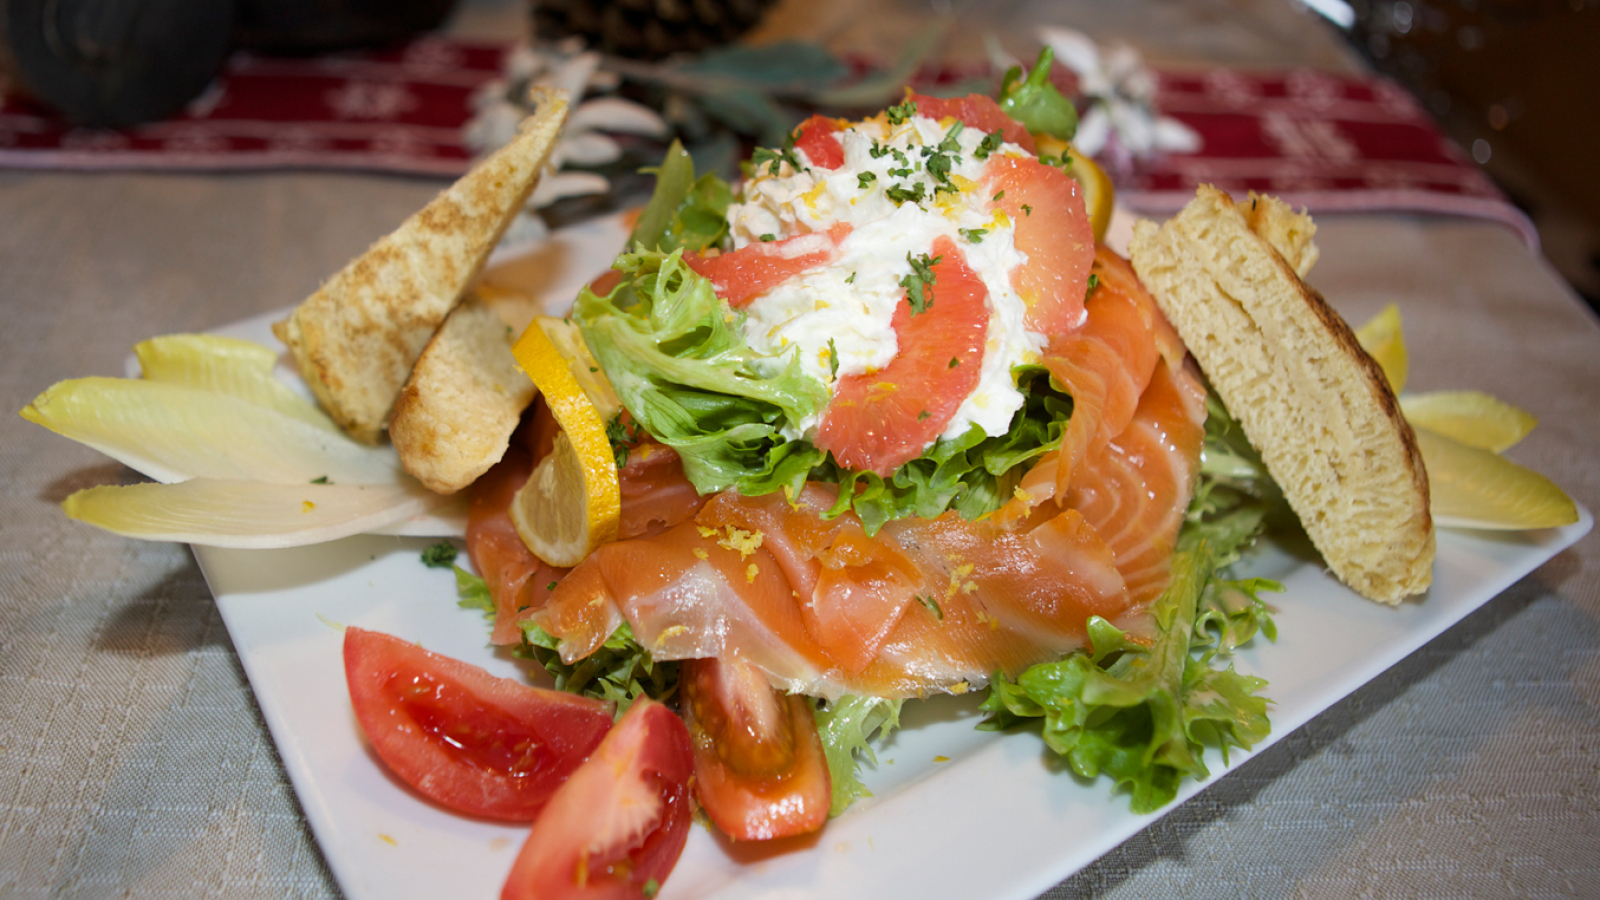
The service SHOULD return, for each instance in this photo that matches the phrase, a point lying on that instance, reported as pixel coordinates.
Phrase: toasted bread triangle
(1309, 398)
(356, 339)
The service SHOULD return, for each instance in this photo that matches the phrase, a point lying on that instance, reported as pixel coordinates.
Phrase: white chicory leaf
(246, 514)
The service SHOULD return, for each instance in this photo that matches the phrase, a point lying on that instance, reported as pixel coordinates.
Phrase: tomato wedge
(619, 823)
(760, 772)
(475, 743)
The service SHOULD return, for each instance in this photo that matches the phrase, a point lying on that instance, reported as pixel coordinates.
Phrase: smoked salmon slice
(1134, 491)
(946, 602)
(655, 496)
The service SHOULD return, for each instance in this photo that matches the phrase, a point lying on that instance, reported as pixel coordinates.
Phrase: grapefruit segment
(975, 111)
(879, 421)
(1052, 228)
(815, 138)
(739, 276)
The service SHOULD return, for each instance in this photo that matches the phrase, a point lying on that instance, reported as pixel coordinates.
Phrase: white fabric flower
(1121, 118)
(500, 105)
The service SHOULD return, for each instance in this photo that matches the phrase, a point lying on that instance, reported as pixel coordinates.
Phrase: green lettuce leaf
(684, 212)
(1142, 714)
(849, 727)
(1035, 102)
(682, 368)
(621, 671)
(472, 592)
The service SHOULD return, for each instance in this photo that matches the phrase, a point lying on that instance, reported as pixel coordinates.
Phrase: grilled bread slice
(1309, 398)
(356, 339)
(455, 417)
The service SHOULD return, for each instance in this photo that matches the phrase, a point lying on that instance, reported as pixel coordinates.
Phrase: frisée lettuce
(676, 356)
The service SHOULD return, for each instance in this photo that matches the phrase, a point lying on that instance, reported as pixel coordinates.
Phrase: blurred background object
(116, 63)
(1515, 83)
(648, 29)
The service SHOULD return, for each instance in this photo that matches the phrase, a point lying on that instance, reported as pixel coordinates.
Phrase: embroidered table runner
(1326, 142)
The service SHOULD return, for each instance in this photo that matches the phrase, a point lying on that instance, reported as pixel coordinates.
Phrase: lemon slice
(571, 503)
(1471, 417)
(1098, 194)
(568, 341)
(1382, 338)
(1473, 488)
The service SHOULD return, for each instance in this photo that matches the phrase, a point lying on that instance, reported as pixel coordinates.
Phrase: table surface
(133, 760)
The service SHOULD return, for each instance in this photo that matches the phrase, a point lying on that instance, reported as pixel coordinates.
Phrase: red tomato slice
(758, 764)
(621, 820)
(742, 275)
(975, 111)
(815, 139)
(475, 743)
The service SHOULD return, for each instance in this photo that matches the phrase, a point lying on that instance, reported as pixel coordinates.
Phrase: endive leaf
(1473, 488)
(228, 365)
(1471, 417)
(174, 432)
(247, 514)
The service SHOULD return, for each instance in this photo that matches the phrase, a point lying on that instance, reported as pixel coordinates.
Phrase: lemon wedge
(568, 341)
(1473, 488)
(1382, 338)
(1098, 194)
(1471, 417)
(571, 503)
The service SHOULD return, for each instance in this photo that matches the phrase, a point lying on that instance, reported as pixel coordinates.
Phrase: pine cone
(647, 29)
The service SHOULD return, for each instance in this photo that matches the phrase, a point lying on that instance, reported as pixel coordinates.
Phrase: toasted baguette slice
(1309, 398)
(455, 417)
(357, 337)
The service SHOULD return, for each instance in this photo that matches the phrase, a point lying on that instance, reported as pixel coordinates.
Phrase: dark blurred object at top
(117, 63)
(320, 26)
(1514, 82)
(648, 29)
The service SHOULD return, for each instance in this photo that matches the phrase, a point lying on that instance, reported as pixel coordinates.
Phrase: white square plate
(945, 795)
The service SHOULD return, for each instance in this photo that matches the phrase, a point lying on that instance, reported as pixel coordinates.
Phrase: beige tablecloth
(133, 761)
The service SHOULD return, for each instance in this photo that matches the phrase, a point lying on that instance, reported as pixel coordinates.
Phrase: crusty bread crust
(356, 339)
(1315, 405)
(455, 417)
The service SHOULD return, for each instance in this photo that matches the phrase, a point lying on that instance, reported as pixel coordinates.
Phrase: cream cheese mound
(852, 302)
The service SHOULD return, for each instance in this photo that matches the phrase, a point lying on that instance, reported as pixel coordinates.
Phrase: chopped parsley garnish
(878, 150)
(321, 479)
(440, 556)
(990, 143)
(899, 114)
(919, 284)
(923, 415)
(975, 235)
(954, 361)
(941, 157)
(651, 888)
(551, 586)
(931, 605)
(833, 355)
(851, 279)
(768, 238)
(1094, 282)
(1027, 210)
(999, 195)
(621, 439)
(774, 159)
(866, 178)
(901, 194)
(898, 173)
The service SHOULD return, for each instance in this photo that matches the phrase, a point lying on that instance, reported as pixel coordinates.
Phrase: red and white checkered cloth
(1329, 143)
